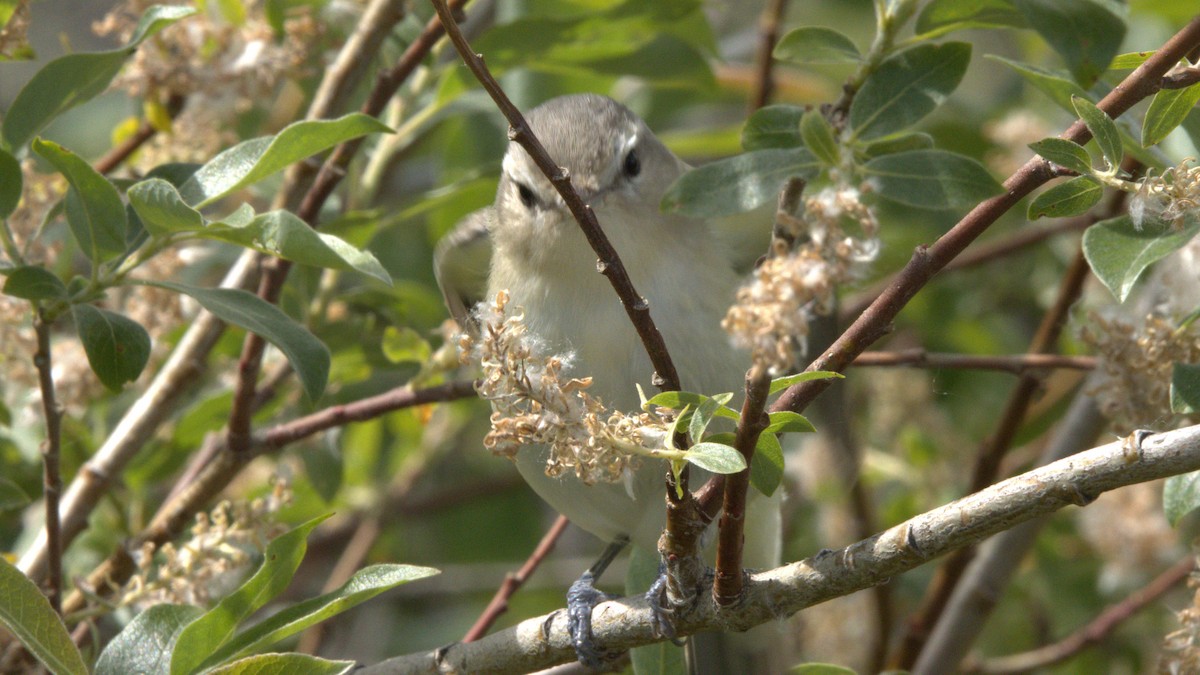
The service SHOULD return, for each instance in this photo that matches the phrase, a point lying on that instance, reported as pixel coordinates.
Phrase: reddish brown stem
(51, 447)
(514, 581)
(1017, 363)
(769, 22)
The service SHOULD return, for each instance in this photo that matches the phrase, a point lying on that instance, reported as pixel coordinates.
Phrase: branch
(1094, 633)
(51, 447)
(621, 624)
(139, 138)
(768, 23)
(514, 581)
(876, 320)
(178, 513)
(1015, 363)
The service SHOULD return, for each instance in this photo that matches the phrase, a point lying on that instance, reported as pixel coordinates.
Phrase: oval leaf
(117, 347)
(818, 137)
(283, 234)
(944, 16)
(204, 635)
(251, 161)
(766, 466)
(1167, 111)
(145, 645)
(1181, 496)
(907, 87)
(781, 383)
(11, 181)
(738, 184)
(1103, 129)
(1067, 154)
(1069, 198)
(785, 421)
(1118, 252)
(1085, 33)
(716, 457)
(35, 283)
(815, 44)
(1185, 388)
(283, 664)
(774, 126)
(11, 495)
(94, 209)
(307, 354)
(161, 209)
(364, 585)
(931, 179)
(26, 612)
(678, 400)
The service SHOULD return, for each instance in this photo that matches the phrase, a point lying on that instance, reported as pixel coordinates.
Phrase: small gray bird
(539, 255)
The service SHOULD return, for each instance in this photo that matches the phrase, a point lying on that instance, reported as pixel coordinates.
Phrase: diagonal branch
(543, 641)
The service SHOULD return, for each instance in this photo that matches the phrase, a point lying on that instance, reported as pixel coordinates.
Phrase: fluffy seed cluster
(1169, 196)
(1136, 362)
(835, 235)
(216, 557)
(1181, 648)
(534, 403)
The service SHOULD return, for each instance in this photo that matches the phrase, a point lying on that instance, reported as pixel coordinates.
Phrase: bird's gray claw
(582, 598)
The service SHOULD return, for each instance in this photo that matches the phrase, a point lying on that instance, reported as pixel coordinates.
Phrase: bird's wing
(461, 263)
(744, 237)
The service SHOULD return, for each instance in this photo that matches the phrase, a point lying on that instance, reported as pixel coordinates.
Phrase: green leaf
(161, 209)
(1118, 252)
(1059, 88)
(773, 126)
(1067, 154)
(117, 347)
(145, 645)
(283, 664)
(1103, 129)
(94, 209)
(307, 354)
(11, 495)
(1085, 33)
(283, 234)
(818, 137)
(251, 161)
(1129, 60)
(785, 421)
(26, 612)
(766, 466)
(897, 143)
(716, 457)
(1069, 198)
(1181, 496)
(35, 283)
(203, 636)
(678, 400)
(907, 87)
(73, 79)
(940, 17)
(820, 669)
(702, 416)
(815, 44)
(11, 182)
(931, 179)
(781, 383)
(739, 183)
(1167, 111)
(364, 585)
(1185, 388)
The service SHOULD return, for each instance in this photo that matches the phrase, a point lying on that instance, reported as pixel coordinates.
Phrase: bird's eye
(633, 165)
(526, 195)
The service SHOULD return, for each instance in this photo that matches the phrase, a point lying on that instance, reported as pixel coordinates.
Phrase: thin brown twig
(768, 23)
(727, 584)
(1012, 363)
(178, 513)
(876, 320)
(514, 580)
(51, 447)
(992, 451)
(144, 133)
(1096, 632)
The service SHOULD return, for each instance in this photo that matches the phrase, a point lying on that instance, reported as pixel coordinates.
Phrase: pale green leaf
(34, 283)
(678, 400)
(716, 457)
(161, 209)
(94, 209)
(1064, 153)
(816, 44)
(940, 17)
(781, 383)
(773, 126)
(907, 87)
(1085, 33)
(1118, 252)
(1168, 109)
(307, 354)
(1103, 129)
(766, 466)
(26, 612)
(1181, 496)
(818, 137)
(145, 645)
(786, 421)
(738, 183)
(1069, 198)
(283, 664)
(931, 179)
(1185, 388)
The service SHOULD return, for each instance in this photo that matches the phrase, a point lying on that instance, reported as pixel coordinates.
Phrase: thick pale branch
(1077, 480)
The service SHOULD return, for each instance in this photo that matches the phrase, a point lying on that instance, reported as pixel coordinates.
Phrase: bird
(528, 245)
